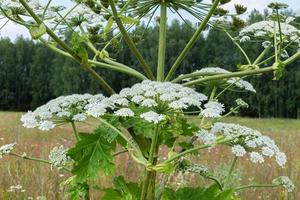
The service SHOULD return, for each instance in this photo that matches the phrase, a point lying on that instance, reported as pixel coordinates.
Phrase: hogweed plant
(153, 112)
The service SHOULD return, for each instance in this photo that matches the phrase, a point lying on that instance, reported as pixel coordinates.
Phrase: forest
(31, 74)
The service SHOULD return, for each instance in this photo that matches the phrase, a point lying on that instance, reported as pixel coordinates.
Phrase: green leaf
(37, 31)
(75, 190)
(91, 154)
(122, 190)
(177, 126)
(211, 193)
(78, 45)
(108, 27)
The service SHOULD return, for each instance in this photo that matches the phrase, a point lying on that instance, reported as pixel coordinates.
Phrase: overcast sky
(12, 31)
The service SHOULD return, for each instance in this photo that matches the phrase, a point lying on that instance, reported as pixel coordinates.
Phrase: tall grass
(39, 180)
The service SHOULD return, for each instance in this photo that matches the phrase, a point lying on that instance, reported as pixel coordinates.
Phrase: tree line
(31, 74)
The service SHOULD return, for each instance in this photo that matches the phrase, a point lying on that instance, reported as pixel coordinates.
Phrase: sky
(12, 30)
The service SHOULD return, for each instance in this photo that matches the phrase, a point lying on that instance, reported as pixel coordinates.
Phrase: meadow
(39, 181)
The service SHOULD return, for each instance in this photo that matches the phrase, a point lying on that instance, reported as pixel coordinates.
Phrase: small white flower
(213, 109)
(148, 103)
(245, 39)
(241, 103)
(266, 44)
(96, 109)
(46, 125)
(238, 150)
(6, 149)
(289, 19)
(256, 157)
(267, 151)
(137, 99)
(58, 157)
(124, 112)
(280, 158)
(284, 54)
(29, 120)
(152, 117)
(122, 102)
(79, 117)
(206, 137)
(285, 182)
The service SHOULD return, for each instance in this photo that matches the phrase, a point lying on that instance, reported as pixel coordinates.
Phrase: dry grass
(40, 180)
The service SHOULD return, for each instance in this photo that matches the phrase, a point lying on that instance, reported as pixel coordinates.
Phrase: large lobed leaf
(92, 153)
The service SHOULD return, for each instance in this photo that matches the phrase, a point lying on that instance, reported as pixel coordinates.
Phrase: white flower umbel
(241, 103)
(58, 157)
(152, 117)
(213, 109)
(124, 112)
(238, 150)
(265, 30)
(285, 182)
(256, 157)
(206, 137)
(6, 149)
(60, 110)
(151, 93)
(252, 141)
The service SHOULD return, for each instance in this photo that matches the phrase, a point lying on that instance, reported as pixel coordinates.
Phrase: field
(39, 181)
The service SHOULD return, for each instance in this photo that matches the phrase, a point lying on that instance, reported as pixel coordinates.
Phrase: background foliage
(31, 74)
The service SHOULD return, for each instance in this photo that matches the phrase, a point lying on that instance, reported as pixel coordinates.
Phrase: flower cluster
(285, 182)
(265, 30)
(235, 82)
(58, 157)
(60, 110)
(213, 109)
(149, 95)
(6, 149)
(244, 141)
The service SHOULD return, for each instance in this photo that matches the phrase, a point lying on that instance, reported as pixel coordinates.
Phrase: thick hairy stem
(162, 42)
(68, 49)
(193, 40)
(149, 176)
(130, 42)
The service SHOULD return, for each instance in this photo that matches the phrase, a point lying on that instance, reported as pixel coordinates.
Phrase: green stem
(280, 32)
(179, 155)
(25, 157)
(93, 73)
(130, 42)
(151, 158)
(255, 186)
(75, 131)
(162, 42)
(45, 9)
(193, 40)
(111, 66)
(230, 75)
(193, 75)
(262, 55)
(233, 163)
(239, 47)
(237, 74)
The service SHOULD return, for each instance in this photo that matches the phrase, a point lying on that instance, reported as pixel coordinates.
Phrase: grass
(40, 180)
